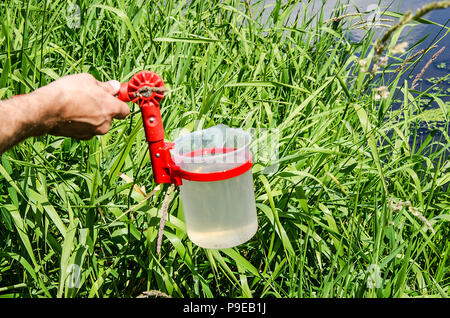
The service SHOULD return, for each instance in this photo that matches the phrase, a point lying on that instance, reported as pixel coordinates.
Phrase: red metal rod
(147, 89)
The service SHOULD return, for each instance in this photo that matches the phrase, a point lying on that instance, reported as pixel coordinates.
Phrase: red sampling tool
(147, 89)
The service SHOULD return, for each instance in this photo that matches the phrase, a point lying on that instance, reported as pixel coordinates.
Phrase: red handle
(147, 89)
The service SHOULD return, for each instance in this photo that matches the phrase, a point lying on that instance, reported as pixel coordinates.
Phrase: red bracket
(147, 89)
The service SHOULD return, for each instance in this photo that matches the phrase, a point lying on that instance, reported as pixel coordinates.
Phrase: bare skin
(76, 106)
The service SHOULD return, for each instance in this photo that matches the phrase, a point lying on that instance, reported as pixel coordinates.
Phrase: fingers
(89, 106)
(119, 109)
(103, 129)
(111, 87)
(115, 86)
(123, 112)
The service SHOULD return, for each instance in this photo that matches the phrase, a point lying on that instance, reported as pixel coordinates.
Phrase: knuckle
(103, 129)
(126, 109)
(87, 76)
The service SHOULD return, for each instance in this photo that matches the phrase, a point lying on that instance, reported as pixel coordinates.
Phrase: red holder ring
(213, 176)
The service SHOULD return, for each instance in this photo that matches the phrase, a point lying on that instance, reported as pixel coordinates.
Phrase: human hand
(79, 106)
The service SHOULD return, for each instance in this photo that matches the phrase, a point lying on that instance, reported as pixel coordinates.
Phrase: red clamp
(147, 89)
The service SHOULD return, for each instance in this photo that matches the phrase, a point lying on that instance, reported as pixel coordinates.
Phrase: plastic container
(220, 212)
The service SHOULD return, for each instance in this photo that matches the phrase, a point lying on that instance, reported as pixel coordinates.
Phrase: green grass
(327, 217)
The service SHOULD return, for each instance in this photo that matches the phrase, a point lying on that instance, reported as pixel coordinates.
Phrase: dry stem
(381, 43)
(412, 57)
(162, 223)
(433, 58)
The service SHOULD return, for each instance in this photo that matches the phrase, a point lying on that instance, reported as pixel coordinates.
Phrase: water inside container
(218, 214)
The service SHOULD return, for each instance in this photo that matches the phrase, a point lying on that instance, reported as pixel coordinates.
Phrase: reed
(326, 222)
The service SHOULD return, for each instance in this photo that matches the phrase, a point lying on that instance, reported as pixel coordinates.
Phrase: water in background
(420, 31)
(426, 33)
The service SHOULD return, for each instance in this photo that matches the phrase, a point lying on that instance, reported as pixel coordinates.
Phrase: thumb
(112, 86)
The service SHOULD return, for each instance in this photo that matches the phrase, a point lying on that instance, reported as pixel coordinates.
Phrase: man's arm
(75, 106)
(16, 123)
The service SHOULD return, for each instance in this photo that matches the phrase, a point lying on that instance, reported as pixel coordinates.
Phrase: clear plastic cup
(218, 214)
